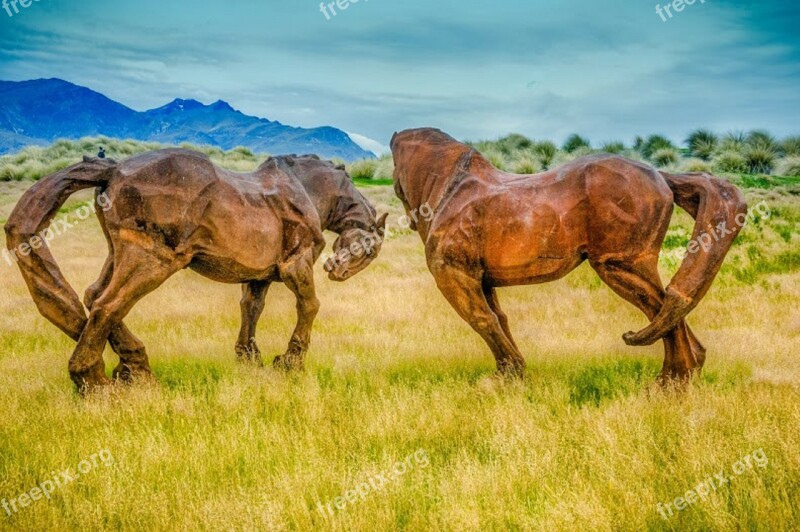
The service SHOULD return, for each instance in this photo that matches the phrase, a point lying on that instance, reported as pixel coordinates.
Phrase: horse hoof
(87, 386)
(128, 374)
(287, 363)
(631, 338)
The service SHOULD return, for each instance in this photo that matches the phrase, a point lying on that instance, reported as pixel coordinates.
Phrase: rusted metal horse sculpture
(492, 229)
(173, 209)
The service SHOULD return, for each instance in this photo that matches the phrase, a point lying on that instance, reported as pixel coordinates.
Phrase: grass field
(395, 377)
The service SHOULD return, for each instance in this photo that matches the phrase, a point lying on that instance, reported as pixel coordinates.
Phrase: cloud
(369, 144)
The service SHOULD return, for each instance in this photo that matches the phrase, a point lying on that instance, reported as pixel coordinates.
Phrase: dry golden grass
(584, 443)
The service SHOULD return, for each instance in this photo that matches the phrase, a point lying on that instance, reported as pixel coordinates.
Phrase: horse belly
(535, 245)
(236, 245)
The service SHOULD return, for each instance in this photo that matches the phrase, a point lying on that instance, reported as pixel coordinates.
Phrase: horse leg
(252, 305)
(468, 297)
(638, 283)
(137, 272)
(133, 359)
(494, 303)
(298, 276)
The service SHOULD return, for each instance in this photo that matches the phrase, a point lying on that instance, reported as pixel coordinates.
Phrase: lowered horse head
(342, 209)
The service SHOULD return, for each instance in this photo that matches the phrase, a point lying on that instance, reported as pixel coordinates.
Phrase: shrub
(760, 158)
(731, 162)
(789, 166)
(665, 157)
(613, 147)
(574, 142)
(363, 169)
(696, 165)
(702, 143)
(655, 143)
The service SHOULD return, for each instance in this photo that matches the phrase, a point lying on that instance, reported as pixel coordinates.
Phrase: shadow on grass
(595, 382)
(190, 375)
(600, 381)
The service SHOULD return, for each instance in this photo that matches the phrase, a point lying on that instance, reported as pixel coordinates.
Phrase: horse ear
(381, 224)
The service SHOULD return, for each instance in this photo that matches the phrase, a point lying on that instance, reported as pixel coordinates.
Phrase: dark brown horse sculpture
(492, 229)
(173, 209)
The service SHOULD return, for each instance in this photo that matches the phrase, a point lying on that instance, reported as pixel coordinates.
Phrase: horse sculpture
(492, 229)
(173, 209)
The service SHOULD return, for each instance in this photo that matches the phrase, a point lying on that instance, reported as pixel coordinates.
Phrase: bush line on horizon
(754, 153)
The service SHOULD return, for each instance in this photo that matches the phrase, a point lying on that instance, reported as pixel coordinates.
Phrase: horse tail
(720, 211)
(27, 234)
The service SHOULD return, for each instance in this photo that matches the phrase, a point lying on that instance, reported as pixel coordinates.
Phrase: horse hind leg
(252, 306)
(133, 360)
(469, 298)
(137, 272)
(638, 283)
(490, 293)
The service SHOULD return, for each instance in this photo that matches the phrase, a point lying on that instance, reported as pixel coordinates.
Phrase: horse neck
(435, 183)
(351, 210)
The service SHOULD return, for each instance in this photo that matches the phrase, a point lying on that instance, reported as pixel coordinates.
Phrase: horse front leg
(299, 278)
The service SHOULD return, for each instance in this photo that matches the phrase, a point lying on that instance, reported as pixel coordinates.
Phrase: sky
(609, 69)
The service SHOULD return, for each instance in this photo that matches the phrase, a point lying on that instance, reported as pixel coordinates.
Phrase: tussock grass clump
(763, 140)
(654, 143)
(730, 162)
(526, 164)
(546, 151)
(733, 141)
(702, 144)
(363, 169)
(791, 145)
(760, 158)
(665, 157)
(789, 166)
(613, 146)
(372, 169)
(575, 142)
(696, 165)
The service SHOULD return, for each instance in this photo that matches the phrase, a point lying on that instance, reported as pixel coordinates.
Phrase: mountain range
(38, 112)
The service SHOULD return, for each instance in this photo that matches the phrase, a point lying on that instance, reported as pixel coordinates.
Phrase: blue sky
(477, 69)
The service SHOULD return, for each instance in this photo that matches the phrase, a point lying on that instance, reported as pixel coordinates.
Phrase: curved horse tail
(27, 234)
(720, 211)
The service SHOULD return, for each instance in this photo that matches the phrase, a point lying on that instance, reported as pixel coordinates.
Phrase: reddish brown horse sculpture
(492, 229)
(173, 209)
